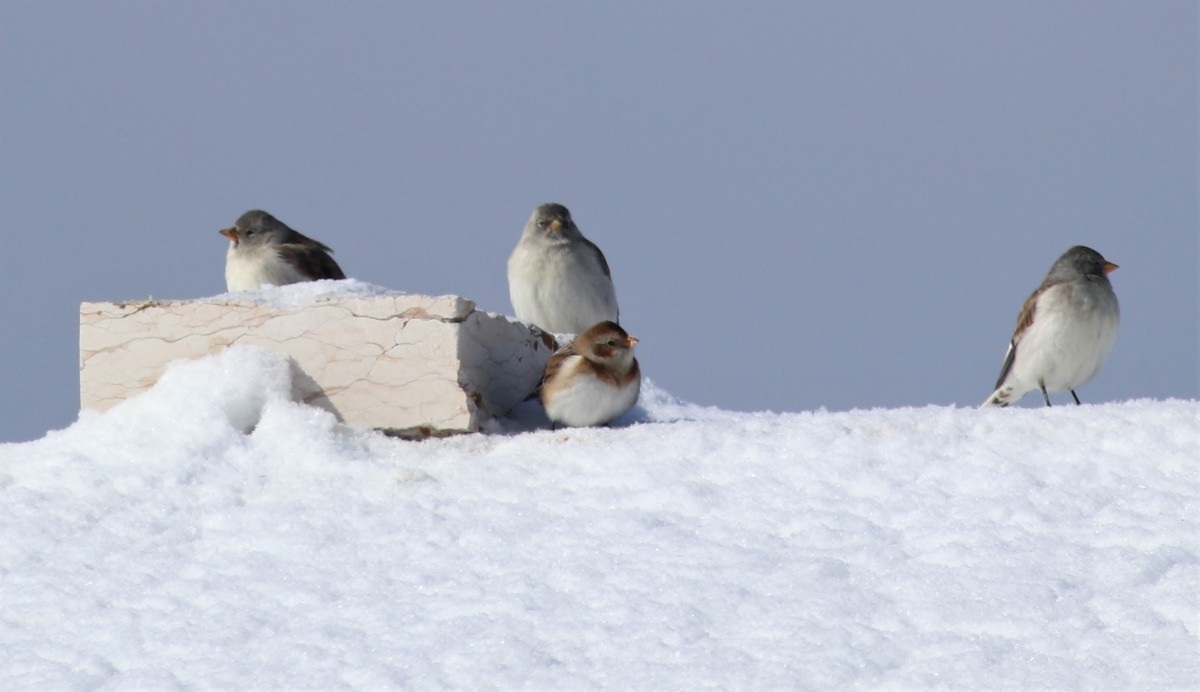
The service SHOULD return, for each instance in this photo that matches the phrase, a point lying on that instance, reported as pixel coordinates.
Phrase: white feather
(249, 269)
(559, 285)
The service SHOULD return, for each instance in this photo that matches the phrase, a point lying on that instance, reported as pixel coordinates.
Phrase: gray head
(1080, 261)
(257, 227)
(552, 222)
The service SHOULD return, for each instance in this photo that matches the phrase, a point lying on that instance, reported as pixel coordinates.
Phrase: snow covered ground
(213, 534)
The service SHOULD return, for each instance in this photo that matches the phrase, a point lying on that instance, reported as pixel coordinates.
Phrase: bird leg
(1076, 397)
(1044, 394)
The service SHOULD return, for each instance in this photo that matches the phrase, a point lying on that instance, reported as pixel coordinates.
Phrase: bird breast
(247, 269)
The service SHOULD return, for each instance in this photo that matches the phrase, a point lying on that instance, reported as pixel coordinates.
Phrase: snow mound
(212, 533)
(309, 292)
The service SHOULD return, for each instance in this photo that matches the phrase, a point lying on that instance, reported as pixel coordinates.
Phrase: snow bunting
(557, 279)
(594, 379)
(264, 250)
(1064, 331)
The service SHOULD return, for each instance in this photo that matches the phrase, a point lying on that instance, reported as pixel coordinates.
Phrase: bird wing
(1008, 363)
(1024, 319)
(604, 266)
(311, 258)
(556, 362)
(599, 256)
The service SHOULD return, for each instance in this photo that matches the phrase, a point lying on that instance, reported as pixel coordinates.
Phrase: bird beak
(556, 226)
(1109, 267)
(630, 341)
(230, 233)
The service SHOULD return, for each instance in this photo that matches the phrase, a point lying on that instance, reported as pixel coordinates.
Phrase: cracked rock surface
(417, 365)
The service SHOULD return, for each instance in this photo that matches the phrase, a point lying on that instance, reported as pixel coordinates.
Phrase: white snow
(308, 292)
(213, 534)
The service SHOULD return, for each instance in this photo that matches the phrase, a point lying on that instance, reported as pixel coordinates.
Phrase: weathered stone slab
(410, 364)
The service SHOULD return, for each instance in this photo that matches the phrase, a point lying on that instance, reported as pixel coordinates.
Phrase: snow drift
(212, 533)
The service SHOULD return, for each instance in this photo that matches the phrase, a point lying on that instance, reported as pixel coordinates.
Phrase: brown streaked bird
(264, 250)
(558, 279)
(594, 379)
(1064, 332)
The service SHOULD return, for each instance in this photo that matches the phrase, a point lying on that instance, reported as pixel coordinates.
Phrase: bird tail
(1003, 396)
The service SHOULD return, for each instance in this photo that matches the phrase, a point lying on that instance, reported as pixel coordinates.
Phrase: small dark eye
(542, 223)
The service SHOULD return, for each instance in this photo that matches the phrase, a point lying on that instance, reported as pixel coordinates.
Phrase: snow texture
(213, 534)
(309, 292)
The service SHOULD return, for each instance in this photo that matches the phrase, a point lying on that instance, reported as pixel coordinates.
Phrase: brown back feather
(556, 362)
(1025, 317)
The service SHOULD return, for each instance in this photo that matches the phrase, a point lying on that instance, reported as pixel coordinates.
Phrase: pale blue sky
(804, 205)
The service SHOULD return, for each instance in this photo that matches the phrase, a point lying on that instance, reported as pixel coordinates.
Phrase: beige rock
(409, 364)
